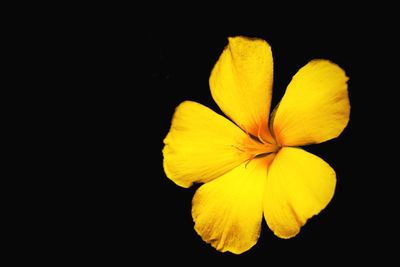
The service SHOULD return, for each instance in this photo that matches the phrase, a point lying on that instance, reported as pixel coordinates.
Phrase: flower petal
(299, 185)
(228, 211)
(315, 107)
(200, 145)
(241, 84)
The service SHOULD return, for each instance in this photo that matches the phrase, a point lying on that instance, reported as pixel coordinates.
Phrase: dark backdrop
(155, 68)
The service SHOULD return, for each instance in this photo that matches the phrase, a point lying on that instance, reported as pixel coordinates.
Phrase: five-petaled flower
(251, 165)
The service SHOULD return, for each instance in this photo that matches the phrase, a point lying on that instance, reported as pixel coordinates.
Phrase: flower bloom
(251, 165)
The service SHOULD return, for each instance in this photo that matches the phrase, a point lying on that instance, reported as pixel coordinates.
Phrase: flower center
(256, 147)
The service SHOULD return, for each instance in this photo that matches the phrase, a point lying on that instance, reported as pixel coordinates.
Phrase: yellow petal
(241, 84)
(315, 107)
(228, 211)
(299, 185)
(201, 145)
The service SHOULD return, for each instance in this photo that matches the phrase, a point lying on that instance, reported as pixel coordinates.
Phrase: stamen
(238, 148)
(248, 161)
(259, 135)
(267, 138)
(254, 147)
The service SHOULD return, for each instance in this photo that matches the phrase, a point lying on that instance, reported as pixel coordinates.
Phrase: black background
(95, 86)
(155, 64)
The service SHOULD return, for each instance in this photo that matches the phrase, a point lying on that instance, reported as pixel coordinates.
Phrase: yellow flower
(251, 165)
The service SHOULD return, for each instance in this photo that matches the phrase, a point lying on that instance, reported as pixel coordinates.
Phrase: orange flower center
(255, 147)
